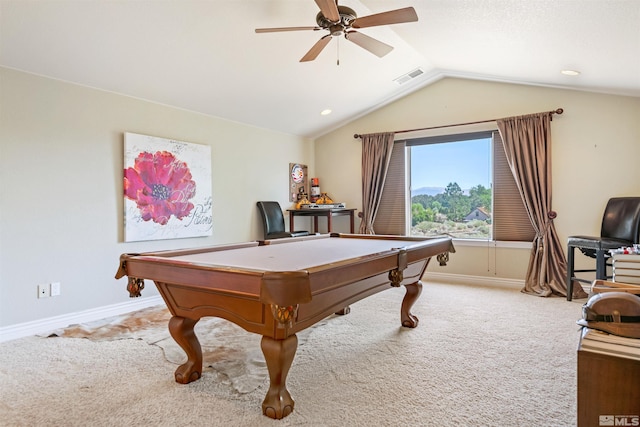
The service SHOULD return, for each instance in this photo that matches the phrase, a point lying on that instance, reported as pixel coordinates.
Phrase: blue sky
(466, 162)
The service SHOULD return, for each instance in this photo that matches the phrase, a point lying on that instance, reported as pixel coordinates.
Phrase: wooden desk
(321, 212)
(277, 288)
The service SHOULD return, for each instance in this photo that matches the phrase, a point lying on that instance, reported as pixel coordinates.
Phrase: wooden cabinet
(608, 390)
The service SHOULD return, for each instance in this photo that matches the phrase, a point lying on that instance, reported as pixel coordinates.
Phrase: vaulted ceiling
(204, 55)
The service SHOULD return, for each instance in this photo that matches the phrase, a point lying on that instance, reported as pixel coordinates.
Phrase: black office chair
(620, 227)
(273, 222)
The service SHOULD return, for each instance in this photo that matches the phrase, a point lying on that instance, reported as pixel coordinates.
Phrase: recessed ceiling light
(570, 72)
(325, 112)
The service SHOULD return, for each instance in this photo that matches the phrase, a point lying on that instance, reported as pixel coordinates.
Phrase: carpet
(480, 357)
(227, 349)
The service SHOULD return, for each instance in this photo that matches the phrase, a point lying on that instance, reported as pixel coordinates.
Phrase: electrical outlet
(43, 291)
(55, 289)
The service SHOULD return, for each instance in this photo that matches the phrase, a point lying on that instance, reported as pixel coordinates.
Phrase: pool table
(276, 288)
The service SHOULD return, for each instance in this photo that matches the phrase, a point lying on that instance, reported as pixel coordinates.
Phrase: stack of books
(613, 345)
(626, 268)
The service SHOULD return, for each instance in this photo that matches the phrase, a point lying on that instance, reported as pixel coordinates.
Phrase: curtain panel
(527, 145)
(376, 155)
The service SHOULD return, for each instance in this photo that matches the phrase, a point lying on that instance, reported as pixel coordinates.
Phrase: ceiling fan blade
(329, 9)
(316, 49)
(275, 30)
(369, 43)
(398, 16)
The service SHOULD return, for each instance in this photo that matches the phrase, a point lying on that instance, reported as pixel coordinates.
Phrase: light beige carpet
(227, 349)
(479, 357)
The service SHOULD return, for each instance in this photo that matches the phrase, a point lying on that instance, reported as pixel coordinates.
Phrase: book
(626, 279)
(633, 265)
(626, 272)
(626, 257)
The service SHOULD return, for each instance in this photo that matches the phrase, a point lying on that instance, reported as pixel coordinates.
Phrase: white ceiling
(204, 56)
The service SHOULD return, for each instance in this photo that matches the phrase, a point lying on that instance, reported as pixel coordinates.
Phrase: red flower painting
(161, 186)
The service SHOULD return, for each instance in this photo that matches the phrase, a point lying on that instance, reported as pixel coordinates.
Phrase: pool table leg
(181, 330)
(279, 356)
(413, 292)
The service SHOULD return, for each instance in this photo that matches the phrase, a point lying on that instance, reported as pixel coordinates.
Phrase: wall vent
(409, 76)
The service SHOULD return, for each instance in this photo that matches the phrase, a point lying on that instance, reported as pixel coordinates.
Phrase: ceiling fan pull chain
(338, 51)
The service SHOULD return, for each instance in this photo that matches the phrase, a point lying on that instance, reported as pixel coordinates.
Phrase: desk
(319, 212)
(276, 288)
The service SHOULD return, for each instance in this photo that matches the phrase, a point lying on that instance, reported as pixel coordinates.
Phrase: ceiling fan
(339, 20)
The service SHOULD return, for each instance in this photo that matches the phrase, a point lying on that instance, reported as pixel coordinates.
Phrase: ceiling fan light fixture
(336, 30)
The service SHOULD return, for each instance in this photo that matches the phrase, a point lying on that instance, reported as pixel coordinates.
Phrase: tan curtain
(527, 145)
(376, 154)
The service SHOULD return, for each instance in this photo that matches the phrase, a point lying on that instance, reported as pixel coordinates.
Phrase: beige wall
(596, 154)
(61, 150)
(61, 203)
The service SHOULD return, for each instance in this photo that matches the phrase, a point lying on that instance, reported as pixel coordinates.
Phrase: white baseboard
(463, 279)
(35, 327)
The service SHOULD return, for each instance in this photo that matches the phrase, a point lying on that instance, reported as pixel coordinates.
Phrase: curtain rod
(356, 136)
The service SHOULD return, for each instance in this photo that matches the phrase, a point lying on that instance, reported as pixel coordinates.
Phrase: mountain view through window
(451, 189)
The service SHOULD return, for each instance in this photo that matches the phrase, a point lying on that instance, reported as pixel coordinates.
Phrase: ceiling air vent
(409, 76)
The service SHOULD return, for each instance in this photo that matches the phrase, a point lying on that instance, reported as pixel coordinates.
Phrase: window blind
(510, 219)
(392, 213)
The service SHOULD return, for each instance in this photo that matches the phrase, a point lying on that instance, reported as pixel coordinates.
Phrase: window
(457, 184)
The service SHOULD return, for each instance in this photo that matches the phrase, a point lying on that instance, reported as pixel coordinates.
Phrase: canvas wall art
(167, 189)
(297, 181)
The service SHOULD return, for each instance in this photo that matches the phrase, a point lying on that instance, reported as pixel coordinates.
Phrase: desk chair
(273, 222)
(620, 227)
